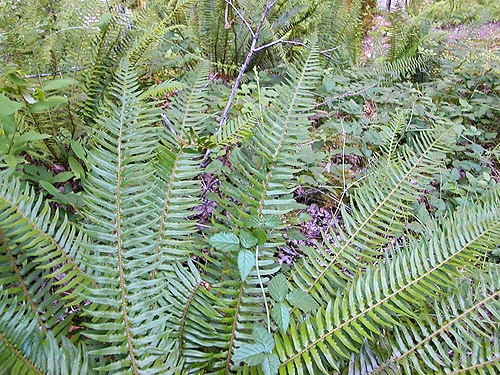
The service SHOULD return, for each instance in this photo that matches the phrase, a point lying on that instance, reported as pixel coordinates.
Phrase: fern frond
(390, 135)
(151, 36)
(40, 262)
(167, 87)
(236, 130)
(188, 107)
(122, 256)
(177, 194)
(198, 327)
(448, 330)
(381, 297)
(24, 349)
(338, 30)
(379, 208)
(402, 66)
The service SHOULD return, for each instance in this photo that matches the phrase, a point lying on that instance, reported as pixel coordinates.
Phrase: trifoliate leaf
(278, 288)
(302, 300)
(225, 241)
(263, 338)
(249, 353)
(247, 239)
(281, 315)
(270, 364)
(246, 261)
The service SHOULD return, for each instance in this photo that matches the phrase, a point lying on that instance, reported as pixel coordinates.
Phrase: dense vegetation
(292, 186)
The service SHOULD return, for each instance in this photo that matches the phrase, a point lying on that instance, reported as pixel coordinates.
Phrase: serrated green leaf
(59, 83)
(76, 167)
(278, 288)
(225, 241)
(260, 235)
(247, 239)
(264, 222)
(246, 261)
(78, 149)
(270, 364)
(51, 102)
(281, 315)
(249, 353)
(302, 300)
(7, 106)
(263, 338)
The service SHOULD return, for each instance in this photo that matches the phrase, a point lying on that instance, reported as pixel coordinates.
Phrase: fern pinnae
(414, 167)
(436, 333)
(21, 282)
(30, 233)
(451, 248)
(471, 368)
(118, 202)
(25, 349)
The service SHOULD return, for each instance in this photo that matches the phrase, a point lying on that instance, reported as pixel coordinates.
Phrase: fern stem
(184, 315)
(233, 329)
(19, 355)
(262, 289)
(466, 369)
(119, 179)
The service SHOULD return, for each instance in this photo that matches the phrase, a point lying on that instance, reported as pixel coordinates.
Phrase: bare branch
(244, 66)
(279, 41)
(344, 95)
(330, 49)
(241, 16)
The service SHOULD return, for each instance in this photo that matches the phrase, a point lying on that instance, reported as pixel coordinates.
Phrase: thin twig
(279, 41)
(344, 95)
(244, 67)
(241, 16)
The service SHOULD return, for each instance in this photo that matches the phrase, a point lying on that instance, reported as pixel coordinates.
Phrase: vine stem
(262, 288)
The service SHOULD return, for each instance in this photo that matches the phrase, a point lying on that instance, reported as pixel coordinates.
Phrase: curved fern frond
(379, 208)
(448, 330)
(381, 297)
(40, 262)
(236, 130)
(402, 66)
(167, 87)
(178, 193)
(260, 187)
(188, 107)
(155, 32)
(24, 349)
(390, 136)
(197, 326)
(124, 307)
